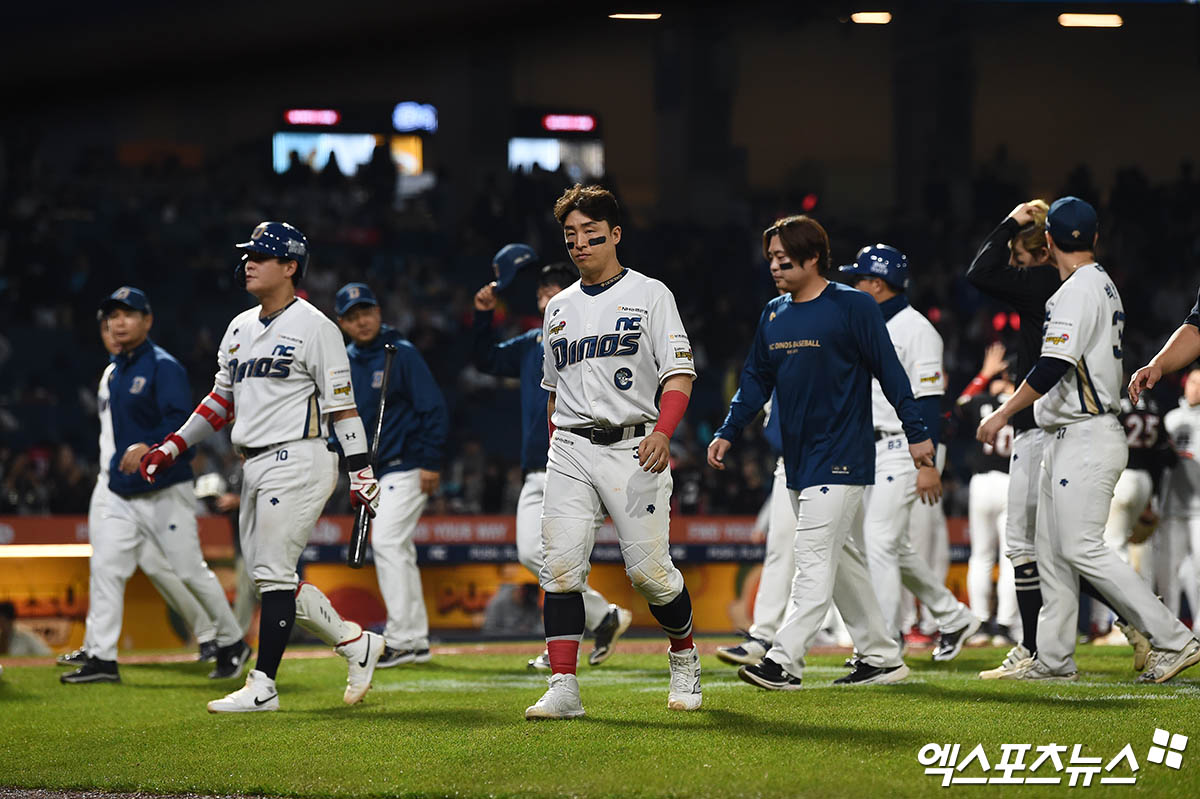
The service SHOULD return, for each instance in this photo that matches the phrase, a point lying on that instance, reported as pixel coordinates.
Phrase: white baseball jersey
(1085, 323)
(285, 376)
(919, 348)
(607, 353)
(107, 443)
(1183, 488)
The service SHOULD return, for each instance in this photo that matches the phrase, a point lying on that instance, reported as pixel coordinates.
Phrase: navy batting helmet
(277, 239)
(882, 261)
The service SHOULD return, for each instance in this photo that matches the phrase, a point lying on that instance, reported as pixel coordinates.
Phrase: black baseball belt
(880, 435)
(608, 435)
(254, 452)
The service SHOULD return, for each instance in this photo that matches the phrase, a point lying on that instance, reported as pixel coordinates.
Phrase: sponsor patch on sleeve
(685, 354)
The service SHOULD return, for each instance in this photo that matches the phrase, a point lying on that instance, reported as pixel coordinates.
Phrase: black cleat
(76, 658)
(93, 670)
(231, 661)
(769, 675)
(951, 643)
(865, 674)
(208, 651)
(614, 625)
(393, 657)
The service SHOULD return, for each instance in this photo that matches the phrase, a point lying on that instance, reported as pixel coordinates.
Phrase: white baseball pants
(1024, 486)
(400, 506)
(987, 511)
(779, 562)
(1175, 549)
(930, 539)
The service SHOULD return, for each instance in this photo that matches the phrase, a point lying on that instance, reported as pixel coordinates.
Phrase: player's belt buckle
(605, 435)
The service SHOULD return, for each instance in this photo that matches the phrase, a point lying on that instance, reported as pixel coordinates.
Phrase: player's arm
(1044, 375)
(1181, 349)
(928, 383)
(990, 271)
(654, 453)
(993, 364)
(488, 356)
(173, 396)
(434, 422)
(755, 387)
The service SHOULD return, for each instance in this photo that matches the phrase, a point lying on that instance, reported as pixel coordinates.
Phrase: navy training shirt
(521, 357)
(149, 398)
(819, 357)
(415, 422)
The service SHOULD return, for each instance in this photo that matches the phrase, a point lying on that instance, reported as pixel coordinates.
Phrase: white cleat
(1162, 665)
(361, 655)
(258, 694)
(685, 680)
(1016, 663)
(561, 700)
(1038, 671)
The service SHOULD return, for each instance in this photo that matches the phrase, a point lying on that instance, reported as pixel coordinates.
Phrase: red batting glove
(161, 457)
(364, 490)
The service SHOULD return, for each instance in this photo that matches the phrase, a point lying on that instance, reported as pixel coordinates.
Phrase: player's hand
(485, 298)
(654, 453)
(364, 490)
(228, 502)
(430, 481)
(133, 457)
(158, 458)
(991, 426)
(716, 453)
(993, 360)
(1023, 214)
(929, 485)
(922, 453)
(1143, 379)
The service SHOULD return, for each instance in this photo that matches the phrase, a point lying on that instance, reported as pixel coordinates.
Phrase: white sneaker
(561, 700)
(361, 655)
(1039, 671)
(1139, 642)
(1016, 662)
(685, 680)
(541, 662)
(1162, 664)
(257, 694)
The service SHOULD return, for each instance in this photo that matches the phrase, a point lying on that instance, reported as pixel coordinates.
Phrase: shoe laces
(1014, 656)
(683, 674)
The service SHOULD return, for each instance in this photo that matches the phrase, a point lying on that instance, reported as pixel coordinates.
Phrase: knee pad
(657, 583)
(565, 567)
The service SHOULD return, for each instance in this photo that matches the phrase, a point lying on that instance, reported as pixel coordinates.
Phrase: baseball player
(987, 496)
(412, 439)
(282, 369)
(1074, 389)
(1180, 535)
(882, 272)
(612, 341)
(148, 395)
(149, 557)
(817, 348)
(1013, 265)
(521, 357)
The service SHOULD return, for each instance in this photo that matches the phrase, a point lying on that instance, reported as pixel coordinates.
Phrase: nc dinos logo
(558, 327)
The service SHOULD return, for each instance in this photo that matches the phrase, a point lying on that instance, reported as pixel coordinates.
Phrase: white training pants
(400, 504)
(1080, 466)
(987, 511)
(831, 567)
(529, 543)
(165, 518)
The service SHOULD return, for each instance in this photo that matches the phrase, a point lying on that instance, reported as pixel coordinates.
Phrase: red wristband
(670, 412)
(978, 384)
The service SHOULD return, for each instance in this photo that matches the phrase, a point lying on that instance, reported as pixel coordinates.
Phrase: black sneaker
(231, 661)
(865, 674)
(769, 675)
(747, 653)
(93, 670)
(951, 643)
(76, 658)
(208, 651)
(393, 657)
(614, 625)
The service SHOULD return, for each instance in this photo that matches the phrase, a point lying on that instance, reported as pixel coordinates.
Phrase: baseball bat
(362, 523)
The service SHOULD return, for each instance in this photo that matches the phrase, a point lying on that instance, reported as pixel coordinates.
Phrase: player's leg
(1024, 480)
(885, 525)
(984, 543)
(930, 537)
(639, 503)
(1170, 546)
(1189, 579)
(154, 565)
(100, 494)
(1008, 617)
(400, 504)
(568, 530)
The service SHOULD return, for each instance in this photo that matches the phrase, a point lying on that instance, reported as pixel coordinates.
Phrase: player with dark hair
(817, 347)
(521, 357)
(283, 368)
(612, 342)
(409, 457)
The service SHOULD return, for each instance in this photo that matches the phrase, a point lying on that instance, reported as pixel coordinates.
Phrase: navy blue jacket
(819, 357)
(415, 421)
(149, 398)
(521, 357)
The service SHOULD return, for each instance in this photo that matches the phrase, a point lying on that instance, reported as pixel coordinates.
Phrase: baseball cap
(353, 294)
(126, 296)
(510, 259)
(1072, 221)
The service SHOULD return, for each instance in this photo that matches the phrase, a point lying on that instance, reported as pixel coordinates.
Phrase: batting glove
(364, 490)
(161, 457)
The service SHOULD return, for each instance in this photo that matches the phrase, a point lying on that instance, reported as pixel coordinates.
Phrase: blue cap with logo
(882, 261)
(509, 260)
(1072, 221)
(128, 297)
(353, 294)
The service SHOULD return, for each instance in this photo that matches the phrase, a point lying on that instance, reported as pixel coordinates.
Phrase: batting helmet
(509, 260)
(277, 239)
(881, 261)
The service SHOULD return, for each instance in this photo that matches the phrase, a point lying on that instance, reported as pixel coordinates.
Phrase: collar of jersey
(895, 305)
(125, 359)
(266, 320)
(592, 291)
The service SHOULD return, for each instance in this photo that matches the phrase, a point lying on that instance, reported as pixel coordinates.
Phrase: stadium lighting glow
(579, 123)
(312, 116)
(46, 551)
(871, 17)
(644, 17)
(1090, 20)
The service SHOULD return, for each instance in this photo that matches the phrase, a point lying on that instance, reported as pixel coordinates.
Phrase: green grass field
(455, 727)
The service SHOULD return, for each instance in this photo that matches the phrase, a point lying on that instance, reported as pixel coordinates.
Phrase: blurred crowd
(72, 233)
